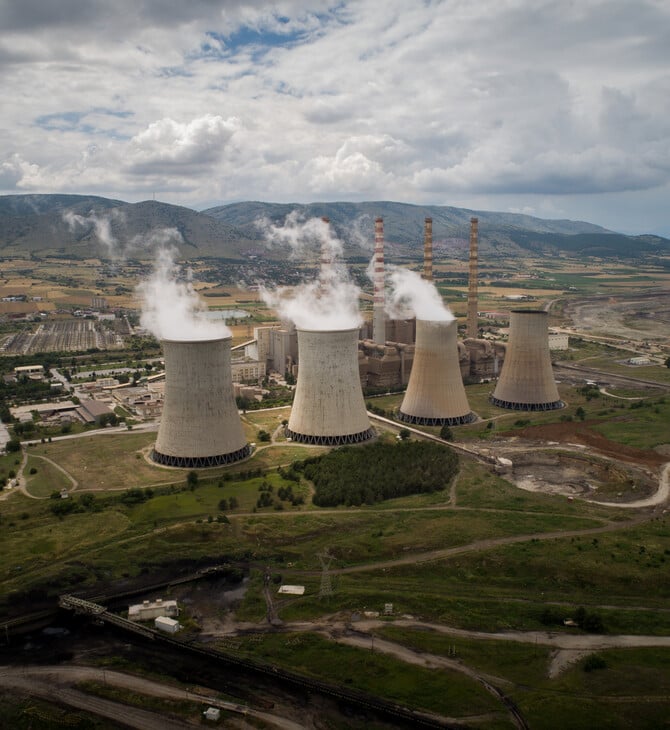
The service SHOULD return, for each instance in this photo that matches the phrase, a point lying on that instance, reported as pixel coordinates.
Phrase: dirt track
(53, 683)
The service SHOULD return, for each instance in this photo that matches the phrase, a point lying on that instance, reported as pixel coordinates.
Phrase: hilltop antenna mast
(325, 558)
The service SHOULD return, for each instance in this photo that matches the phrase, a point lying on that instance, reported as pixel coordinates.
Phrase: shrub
(593, 662)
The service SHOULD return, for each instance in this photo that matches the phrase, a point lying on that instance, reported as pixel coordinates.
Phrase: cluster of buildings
(196, 394)
(201, 426)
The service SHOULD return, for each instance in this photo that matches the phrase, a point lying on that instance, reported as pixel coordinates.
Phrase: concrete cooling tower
(527, 380)
(328, 407)
(435, 394)
(200, 425)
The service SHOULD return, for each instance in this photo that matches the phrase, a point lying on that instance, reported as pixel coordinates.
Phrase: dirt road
(52, 683)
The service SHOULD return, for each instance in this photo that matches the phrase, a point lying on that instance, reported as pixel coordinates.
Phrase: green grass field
(483, 586)
(46, 479)
(443, 691)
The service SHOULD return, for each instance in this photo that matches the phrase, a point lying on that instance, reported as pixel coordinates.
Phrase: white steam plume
(408, 295)
(100, 225)
(330, 302)
(301, 235)
(358, 232)
(171, 309)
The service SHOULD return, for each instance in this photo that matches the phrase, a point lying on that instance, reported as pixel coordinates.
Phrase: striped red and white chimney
(428, 249)
(378, 323)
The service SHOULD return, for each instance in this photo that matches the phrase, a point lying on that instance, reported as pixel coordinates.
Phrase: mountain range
(82, 225)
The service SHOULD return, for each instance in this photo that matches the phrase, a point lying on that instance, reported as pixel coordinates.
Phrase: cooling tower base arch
(510, 406)
(350, 438)
(200, 462)
(425, 421)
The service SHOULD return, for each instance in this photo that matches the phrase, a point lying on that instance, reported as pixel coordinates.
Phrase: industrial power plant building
(435, 394)
(200, 425)
(328, 407)
(527, 380)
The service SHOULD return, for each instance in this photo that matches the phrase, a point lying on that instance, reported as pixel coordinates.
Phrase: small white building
(558, 341)
(166, 624)
(212, 713)
(34, 372)
(147, 610)
(292, 590)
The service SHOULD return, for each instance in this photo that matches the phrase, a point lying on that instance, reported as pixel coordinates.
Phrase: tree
(580, 413)
(192, 480)
(446, 433)
(13, 445)
(667, 363)
(404, 434)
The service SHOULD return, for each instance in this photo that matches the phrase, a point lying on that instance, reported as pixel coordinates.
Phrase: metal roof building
(200, 425)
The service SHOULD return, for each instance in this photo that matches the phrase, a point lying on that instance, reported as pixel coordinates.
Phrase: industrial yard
(556, 514)
(65, 336)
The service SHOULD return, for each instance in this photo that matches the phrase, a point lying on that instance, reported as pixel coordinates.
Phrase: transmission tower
(325, 558)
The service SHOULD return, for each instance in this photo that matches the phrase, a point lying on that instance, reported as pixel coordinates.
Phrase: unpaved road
(52, 683)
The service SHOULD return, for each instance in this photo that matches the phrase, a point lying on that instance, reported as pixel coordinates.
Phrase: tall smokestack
(472, 328)
(378, 323)
(428, 249)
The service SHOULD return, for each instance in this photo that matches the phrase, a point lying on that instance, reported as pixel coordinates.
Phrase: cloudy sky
(557, 108)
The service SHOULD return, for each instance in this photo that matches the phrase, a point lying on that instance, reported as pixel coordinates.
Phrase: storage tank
(200, 425)
(435, 394)
(527, 380)
(328, 407)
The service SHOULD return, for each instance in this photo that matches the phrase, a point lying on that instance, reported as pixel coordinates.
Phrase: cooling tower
(200, 425)
(527, 381)
(328, 407)
(435, 394)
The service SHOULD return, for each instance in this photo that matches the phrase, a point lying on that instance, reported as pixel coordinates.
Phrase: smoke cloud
(302, 235)
(408, 295)
(330, 302)
(101, 226)
(171, 308)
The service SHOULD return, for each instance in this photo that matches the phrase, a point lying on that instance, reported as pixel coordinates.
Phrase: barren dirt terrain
(640, 318)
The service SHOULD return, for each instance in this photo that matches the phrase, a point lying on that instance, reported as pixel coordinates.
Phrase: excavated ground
(571, 459)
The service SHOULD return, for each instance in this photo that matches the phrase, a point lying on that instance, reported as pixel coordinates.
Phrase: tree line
(355, 475)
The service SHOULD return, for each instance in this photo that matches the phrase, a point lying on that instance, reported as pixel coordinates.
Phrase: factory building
(484, 358)
(147, 610)
(277, 347)
(385, 366)
(435, 394)
(527, 380)
(200, 425)
(328, 408)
